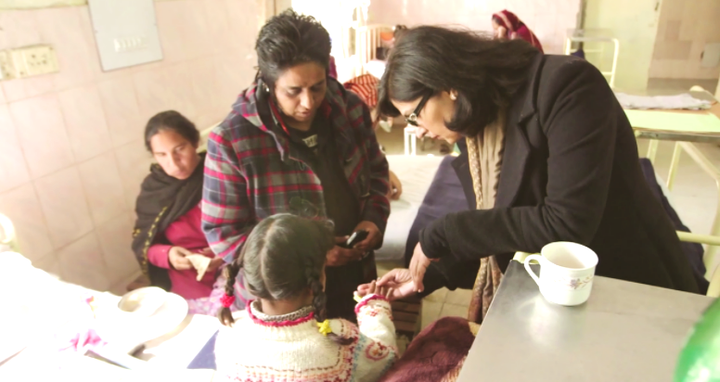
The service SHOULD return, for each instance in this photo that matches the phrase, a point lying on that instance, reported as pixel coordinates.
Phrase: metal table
(684, 141)
(625, 332)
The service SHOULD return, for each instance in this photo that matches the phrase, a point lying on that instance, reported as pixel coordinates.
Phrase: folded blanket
(436, 354)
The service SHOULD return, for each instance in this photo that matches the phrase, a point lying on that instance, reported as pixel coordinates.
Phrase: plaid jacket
(252, 171)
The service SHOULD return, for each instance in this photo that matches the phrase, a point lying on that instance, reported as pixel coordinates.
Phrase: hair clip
(324, 327)
(226, 300)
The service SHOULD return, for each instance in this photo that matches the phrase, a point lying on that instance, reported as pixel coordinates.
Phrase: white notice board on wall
(126, 32)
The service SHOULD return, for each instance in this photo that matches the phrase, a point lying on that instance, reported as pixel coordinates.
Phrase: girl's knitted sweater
(289, 348)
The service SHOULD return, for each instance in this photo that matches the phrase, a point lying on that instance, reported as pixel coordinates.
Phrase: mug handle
(529, 270)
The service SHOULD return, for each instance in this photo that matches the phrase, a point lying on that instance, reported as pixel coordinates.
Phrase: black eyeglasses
(412, 118)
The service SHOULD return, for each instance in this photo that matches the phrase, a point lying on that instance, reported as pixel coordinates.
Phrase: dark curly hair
(289, 39)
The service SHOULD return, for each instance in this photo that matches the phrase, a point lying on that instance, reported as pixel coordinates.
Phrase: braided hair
(283, 256)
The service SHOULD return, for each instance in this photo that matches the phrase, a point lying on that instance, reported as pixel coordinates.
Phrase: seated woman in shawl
(168, 240)
(508, 26)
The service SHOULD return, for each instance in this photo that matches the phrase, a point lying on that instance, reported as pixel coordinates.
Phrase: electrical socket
(34, 60)
(28, 61)
(7, 70)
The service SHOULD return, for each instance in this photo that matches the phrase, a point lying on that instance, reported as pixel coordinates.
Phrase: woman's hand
(215, 263)
(395, 187)
(176, 256)
(397, 284)
(501, 33)
(373, 239)
(418, 266)
(339, 256)
(374, 288)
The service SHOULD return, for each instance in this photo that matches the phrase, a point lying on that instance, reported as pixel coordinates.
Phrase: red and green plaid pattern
(251, 171)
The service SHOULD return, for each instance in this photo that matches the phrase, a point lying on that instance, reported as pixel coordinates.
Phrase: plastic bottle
(700, 358)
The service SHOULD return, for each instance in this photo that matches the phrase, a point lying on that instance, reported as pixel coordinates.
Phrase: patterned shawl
(485, 153)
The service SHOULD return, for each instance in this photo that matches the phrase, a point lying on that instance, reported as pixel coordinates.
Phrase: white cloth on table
(673, 102)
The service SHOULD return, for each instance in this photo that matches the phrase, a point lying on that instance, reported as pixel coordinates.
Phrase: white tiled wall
(71, 149)
(549, 19)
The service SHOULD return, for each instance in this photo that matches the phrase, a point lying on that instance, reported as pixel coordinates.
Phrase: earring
(453, 96)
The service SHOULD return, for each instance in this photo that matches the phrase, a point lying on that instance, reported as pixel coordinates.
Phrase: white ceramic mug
(566, 272)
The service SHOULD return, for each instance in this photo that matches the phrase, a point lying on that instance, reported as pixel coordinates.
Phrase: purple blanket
(444, 196)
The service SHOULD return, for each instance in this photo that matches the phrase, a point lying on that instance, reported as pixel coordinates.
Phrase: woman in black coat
(550, 148)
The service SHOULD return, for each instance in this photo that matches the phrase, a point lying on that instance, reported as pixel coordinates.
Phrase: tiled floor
(694, 196)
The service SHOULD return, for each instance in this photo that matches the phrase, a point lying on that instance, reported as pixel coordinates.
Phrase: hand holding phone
(355, 238)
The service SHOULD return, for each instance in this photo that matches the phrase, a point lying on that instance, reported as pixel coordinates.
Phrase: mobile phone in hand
(355, 238)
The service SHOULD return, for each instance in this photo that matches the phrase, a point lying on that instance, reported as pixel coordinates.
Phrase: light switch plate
(125, 32)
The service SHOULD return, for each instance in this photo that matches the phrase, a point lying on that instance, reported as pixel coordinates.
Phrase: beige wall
(684, 28)
(71, 149)
(37, 4)
(634, 24)
(548, 19)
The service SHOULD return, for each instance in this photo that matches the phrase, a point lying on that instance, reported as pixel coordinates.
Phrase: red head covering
(516, 28)
(508, 20)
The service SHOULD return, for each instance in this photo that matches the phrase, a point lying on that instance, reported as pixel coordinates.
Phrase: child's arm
(377, 342)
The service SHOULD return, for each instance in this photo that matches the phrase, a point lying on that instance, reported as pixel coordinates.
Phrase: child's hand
(396, 284)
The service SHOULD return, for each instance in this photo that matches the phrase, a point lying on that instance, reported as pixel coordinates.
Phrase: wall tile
(178, 88)
(219, 25)
(85, 122)
(64, 204)
(41, 129)
(116, 241)
(22, 206)
(231, 80)
(23, 25)
(122, 112)
(152, 96)
(13, 169)
(242, 21)
(82, 263)
(21, 89)
(673, 9)
(671, 30)
(171, 19)
(197, 30)
(63, 28)
(678, 50)
(203, 84)
(49, 264)
(134, 164)
(104, 188)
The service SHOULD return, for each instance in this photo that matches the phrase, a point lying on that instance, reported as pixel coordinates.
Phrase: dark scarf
(162, 200)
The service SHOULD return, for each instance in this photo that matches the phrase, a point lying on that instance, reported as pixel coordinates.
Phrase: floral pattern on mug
(573, 283)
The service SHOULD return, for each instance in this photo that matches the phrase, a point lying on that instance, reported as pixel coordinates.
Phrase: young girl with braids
(284, 334)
